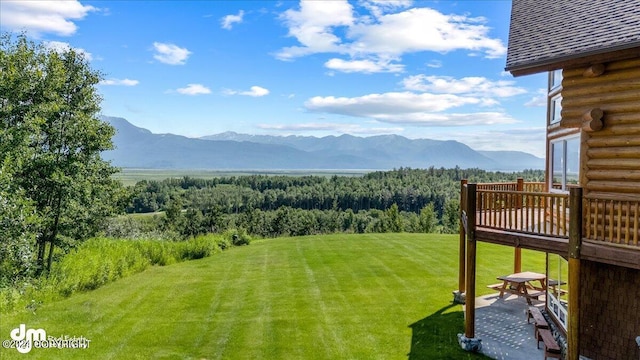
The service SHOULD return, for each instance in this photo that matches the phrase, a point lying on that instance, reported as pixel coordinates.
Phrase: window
(555, 107)
(557, 288)
(555, 96)
(555, 79)
(565, 163)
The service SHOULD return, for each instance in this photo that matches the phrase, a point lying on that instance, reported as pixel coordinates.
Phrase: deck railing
(525, 212)
(612, 221)
(513, 186)
(525, 208)
(533, 187)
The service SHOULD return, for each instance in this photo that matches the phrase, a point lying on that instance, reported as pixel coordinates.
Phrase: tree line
(404, 199)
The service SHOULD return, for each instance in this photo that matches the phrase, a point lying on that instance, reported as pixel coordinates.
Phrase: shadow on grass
(436, 336)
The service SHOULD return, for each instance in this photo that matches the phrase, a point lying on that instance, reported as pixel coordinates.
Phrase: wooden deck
(543, 243)
(522, 215)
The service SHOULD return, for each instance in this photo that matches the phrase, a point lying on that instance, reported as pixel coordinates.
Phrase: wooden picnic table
(528, 284)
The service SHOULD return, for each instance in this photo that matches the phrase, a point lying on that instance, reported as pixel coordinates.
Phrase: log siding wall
(610, 178)
(611, 156)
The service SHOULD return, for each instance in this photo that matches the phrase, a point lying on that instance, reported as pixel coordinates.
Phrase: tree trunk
(54, 231)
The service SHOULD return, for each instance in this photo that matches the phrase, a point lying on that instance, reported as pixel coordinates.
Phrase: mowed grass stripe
(373, 296)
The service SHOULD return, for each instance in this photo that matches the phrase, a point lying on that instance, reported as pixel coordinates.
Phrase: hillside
(377, 296)
(139, 148)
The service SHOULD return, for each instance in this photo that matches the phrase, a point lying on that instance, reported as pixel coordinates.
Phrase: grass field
(130, 176)
(373, 296)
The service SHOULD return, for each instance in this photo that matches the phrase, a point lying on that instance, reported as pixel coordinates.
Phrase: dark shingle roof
(547, 32)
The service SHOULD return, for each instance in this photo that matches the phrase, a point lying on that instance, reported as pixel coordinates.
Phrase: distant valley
(139, 148)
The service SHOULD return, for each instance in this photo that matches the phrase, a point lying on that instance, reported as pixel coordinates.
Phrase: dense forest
(410, 200)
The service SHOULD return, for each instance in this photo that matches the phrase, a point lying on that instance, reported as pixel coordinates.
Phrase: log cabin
(586, 215)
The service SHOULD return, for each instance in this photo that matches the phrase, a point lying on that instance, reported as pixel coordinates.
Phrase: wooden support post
(517, 260)
(520, 184)
(575, 241)
(470, 304)
(517, 251)
(462, 254)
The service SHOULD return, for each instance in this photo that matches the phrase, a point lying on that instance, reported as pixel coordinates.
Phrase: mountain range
(136, 147)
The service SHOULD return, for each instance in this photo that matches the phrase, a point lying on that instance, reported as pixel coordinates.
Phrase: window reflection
(557, 164)
(565, 163)
(558, 288)
(556, 79)
(573, 160)
(556, 109)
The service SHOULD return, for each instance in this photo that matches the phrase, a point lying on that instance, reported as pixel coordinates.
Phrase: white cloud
(424, 29)
(228, 21)
(363, 66)
(194, 89)
(434, 64)
(476, 85)
(119, 82)
(373, 105)
(435, 108)
(38, 17)
(331, 127)
(170, 54)
(448, 119)
(539, 100)
(255, 91)
(60, 47)
(313, 27)
(384, 35)
(530, 140)
(378, 8)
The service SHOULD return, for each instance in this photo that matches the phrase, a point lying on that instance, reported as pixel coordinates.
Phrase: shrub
(199, 247)
(237, 237)
(95, 263)
(99, 261)
(158, 252)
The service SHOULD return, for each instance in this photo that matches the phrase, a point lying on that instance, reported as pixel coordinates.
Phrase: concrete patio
(501, 324)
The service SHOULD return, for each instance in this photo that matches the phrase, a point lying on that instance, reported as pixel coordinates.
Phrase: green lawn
(374, 296)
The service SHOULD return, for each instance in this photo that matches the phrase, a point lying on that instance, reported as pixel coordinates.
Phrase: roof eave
(621, 52)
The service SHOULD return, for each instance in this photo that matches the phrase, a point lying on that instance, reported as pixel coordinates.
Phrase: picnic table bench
(522, 284)
(551, 347)
(539, 322)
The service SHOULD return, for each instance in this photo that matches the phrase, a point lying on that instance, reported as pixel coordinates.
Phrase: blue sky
(420, 69)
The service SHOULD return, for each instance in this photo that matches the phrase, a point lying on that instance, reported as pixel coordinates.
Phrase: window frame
(555, 102)
(554, 97)
(558, 307)
(553, 76)
(564, 185)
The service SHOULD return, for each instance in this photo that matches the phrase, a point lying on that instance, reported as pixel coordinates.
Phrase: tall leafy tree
(49, 108)
(393, 218)
(428, 219)
(451, 216)
(18, 223)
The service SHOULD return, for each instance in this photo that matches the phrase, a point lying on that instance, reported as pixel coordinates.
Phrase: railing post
(471, 261)
(517, 251)
(462, 252)
(575, 242)
(467, 340)
(520, 184)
